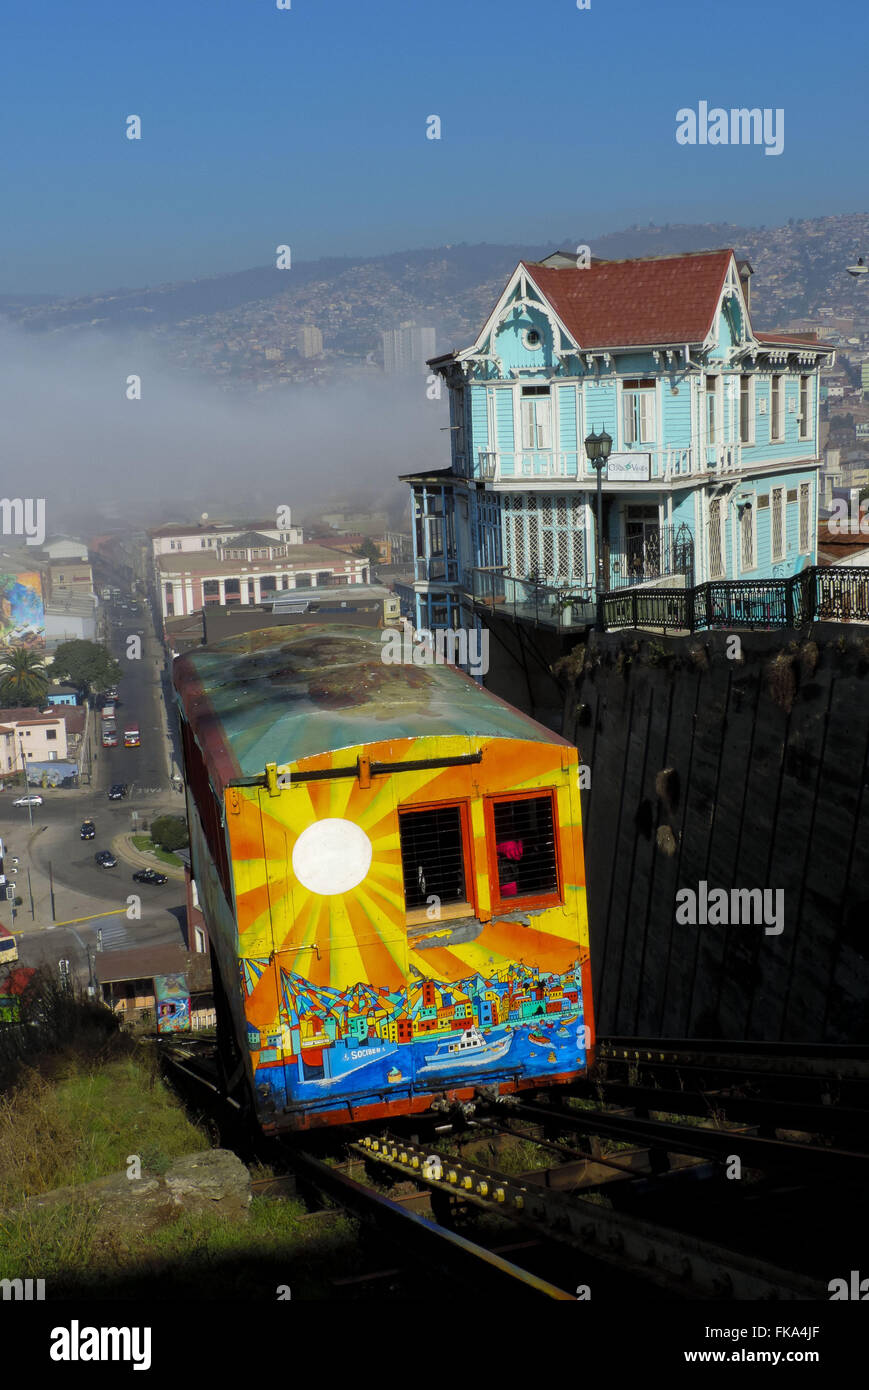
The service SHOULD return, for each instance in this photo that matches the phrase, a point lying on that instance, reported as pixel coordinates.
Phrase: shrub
(170, 832)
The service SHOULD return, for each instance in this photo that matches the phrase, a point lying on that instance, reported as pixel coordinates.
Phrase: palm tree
(23, 679)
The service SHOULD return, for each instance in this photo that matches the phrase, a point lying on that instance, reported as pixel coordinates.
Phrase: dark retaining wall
(744, 773)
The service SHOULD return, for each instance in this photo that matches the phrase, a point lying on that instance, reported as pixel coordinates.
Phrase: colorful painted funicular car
(389, 860)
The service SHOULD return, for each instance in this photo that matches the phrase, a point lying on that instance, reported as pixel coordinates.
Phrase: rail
(833, 594)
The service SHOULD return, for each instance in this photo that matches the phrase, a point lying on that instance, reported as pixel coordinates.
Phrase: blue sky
(307, 127)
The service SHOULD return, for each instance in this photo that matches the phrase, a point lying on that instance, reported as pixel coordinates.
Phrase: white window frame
(535, 425)
(750, 382)
(777, 416)
(804, 489)
(780, 494)
(717, 434)
(643, 402)
(721, 572)
(805, 421)
(752, 511)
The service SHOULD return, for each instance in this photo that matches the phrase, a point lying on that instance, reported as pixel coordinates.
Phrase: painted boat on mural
(470, 1050)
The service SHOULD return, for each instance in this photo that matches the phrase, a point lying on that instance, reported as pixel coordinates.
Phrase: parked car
(88, 830)
(117, 790)
(105, 859)
(149, 876)
(27, 801)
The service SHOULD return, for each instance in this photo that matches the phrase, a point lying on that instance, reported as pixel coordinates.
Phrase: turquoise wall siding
(676, 410)
(478, 436)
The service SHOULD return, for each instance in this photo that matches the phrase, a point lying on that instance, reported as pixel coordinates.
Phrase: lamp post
(597, 448)
(24, 771)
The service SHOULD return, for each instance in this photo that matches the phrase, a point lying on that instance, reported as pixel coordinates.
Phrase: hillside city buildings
(407, 347)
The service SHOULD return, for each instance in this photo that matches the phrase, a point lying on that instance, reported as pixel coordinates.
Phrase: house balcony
(563, 606)
(532, 468)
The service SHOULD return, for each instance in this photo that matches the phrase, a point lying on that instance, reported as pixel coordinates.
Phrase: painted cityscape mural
(22, 612)
(345, 994)
(430, 1031)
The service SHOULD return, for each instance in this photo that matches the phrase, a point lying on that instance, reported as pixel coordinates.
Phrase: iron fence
(832, 594)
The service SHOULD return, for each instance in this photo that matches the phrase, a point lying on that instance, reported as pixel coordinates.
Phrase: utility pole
(51, 889)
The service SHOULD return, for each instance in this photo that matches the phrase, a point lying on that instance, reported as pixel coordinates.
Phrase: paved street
(51, 853)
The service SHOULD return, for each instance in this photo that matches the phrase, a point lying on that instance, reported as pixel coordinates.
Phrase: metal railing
(831, 594)
(528, 466)
(662, 552)
(558, 605)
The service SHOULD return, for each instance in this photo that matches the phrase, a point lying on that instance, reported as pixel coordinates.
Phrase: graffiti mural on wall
(22, 611)
(173, 1003)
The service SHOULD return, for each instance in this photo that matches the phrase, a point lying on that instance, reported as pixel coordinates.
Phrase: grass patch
(145, 845)
(84, 1124)
(204, 1256)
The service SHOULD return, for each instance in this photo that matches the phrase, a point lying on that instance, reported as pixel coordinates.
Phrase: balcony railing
(662, 552)
(531, 466)
(547, 605)
(837, 594)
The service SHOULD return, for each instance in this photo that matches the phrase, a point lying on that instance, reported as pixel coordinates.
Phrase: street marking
(116, 911)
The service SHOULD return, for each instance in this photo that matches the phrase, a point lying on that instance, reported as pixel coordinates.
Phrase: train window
(524, 839)
(433, 856)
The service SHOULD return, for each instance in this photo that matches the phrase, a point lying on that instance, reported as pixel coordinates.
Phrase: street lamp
(26, 786)
(597, 447)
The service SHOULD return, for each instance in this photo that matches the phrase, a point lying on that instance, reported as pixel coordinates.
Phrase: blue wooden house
(714, 466)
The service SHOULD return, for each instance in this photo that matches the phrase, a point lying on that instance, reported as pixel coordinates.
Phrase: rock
(214, 1180)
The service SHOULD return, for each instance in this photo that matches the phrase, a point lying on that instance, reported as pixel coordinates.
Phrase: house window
(51, 733)
(746, 536)
(523, 835)
(776, 409)
(805, 515)
(536, 418)
(303, 581)
(776, 523)
(433, 856)
(746, 410)
(805, 421)
(716, 540)
(458, 406)
(638, 407)
(712, 410)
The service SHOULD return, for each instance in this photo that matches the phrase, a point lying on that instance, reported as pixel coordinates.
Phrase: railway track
(658, 1150)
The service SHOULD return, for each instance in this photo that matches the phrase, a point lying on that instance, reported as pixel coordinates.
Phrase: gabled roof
(666, 300)
(249, 538)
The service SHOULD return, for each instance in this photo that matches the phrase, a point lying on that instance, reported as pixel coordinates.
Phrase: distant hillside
(220, 319)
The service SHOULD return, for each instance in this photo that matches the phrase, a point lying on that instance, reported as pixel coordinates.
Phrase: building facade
(249, 568)
(714, 464)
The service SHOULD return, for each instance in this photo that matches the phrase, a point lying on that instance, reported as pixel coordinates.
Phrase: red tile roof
(665, 300)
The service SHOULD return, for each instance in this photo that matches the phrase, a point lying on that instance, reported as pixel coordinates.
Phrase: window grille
(776, 523)
(525, 845)
(804, 518)
(747, 537)
(432, 858)
(716, 557)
